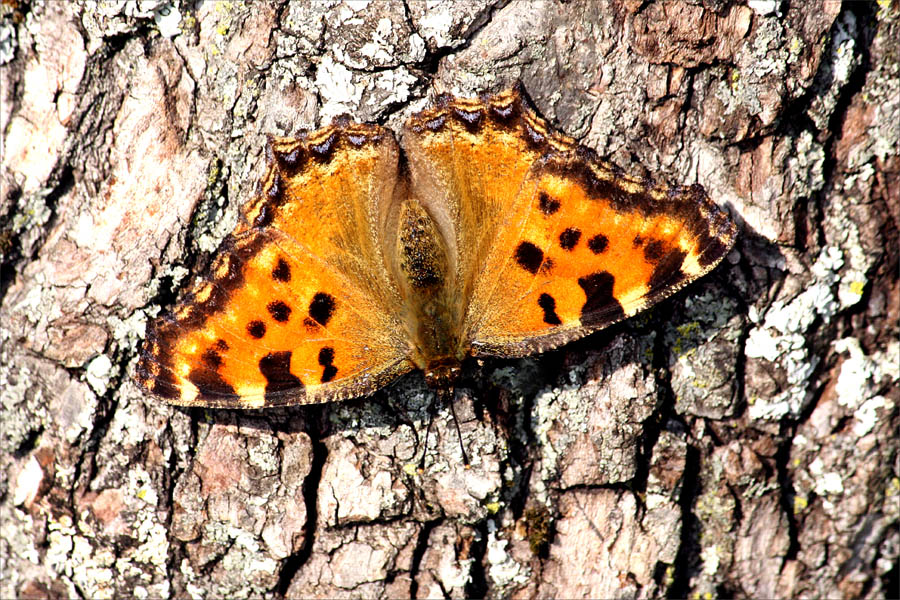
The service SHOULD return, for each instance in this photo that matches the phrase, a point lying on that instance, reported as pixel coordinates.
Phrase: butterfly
(482, 233)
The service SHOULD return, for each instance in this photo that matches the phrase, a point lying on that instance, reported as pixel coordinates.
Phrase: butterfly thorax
(432, 311)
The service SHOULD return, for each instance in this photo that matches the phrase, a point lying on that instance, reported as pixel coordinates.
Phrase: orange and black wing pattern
(553, 242)
(298, 306)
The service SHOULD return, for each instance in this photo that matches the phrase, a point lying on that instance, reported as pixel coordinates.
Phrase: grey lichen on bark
(738, 439)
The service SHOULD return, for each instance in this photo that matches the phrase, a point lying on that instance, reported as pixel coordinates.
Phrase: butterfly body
(431, 306)
(359, 260)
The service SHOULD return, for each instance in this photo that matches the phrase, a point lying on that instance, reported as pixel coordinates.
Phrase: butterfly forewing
(591, 247)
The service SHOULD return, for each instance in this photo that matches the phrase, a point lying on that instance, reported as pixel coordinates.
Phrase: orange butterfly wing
(298, 306)
(590, 247)
(552, 243)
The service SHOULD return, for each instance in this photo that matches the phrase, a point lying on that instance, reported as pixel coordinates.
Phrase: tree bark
(739, 439)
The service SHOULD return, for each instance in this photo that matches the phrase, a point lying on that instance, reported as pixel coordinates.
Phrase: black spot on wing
(326, 359)
(256, 329)
(280, 311)
(210, 383)
(212, 359)
(547, 204)
(548, 305)
(568, 239)
(529, 257)
(598, 243)
(282, 271)
(690, 205)
(600, 305)
(321, 308)
(276, 368)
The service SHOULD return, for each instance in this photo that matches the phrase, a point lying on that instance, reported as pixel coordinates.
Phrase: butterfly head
(442, 373)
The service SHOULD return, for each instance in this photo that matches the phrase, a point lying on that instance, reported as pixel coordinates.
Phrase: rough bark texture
(738, 440)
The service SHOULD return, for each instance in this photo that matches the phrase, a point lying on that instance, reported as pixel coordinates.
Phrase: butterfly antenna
(443, 396)
(431, 412)
(450, 397)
